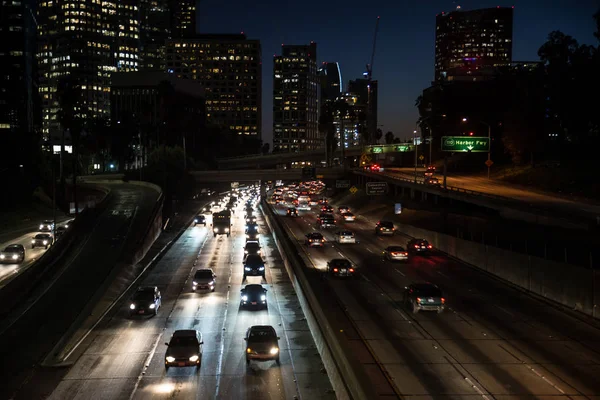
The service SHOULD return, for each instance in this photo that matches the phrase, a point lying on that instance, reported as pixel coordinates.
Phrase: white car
(348, 217)
(345, 237)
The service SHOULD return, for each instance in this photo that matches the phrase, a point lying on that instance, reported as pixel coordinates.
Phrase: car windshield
(315, 236)
(203, 275)
(200, 216)
(386, 224)
(183, 341)
(13, 249)
(261, 336)
(346, 233)
(47, 222)
(144, 297)
(428, 291)
(252, 246)
(254, 259)
(253, 289)
(42, 236)
(395, 248)
(340, 263)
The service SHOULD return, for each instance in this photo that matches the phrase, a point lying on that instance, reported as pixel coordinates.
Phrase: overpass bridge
(253, 175)
(314, 156)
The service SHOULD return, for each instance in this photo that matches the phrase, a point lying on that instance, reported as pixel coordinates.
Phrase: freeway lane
(481, 184)
(124, 358)
(26, 340)
(493, 340)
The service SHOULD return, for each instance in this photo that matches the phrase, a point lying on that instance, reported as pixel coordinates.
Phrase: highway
(491, 342)
(124, 357)
(30, 332)
(481, 184)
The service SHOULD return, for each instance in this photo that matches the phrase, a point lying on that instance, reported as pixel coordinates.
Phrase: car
(384, 228)
(13, 254)
(345, 237)
(340, 267)
(146, 300)
(325, 221)
(432, 181)
(373, 168)
(419, 246)
(47, 226)
(252, 228)
(292, 212)
(343, 209)
(430, 170)
(395, 253)
(262, 344)
(42, 240)
(327, 209)
(59, 231)
(254, 295)
(323, 202)
(348, 217)
(424, 296)
(204, 278)
(314, 239)
(200, 219)
(254, 265)
(252, 247)
(250, 219)
(184, 349)
(68, 223)
(252, 237)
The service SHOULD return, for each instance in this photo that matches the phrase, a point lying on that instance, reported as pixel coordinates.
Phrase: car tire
(244, 278)
(214, 235)
(46, 248)
(32, 246)
(166, 367)
(277, 361)
(213, 289)
(247, 361)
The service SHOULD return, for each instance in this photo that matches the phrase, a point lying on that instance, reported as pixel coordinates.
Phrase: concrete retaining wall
(569, 285)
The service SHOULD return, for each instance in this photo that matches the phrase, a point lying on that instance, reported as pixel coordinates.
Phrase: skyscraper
(155, 30)
(87, 40)
(295, 99)
(18, 89)
(331, 81)
(183, 18)
(229, 67)
(367, 93)
(472, 39)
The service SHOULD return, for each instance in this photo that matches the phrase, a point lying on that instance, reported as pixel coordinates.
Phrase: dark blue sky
(403, 66)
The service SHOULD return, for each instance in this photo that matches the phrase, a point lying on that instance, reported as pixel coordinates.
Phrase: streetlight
(489, 161)
(416, 151)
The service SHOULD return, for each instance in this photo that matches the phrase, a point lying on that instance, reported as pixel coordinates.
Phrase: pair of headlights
(193, 358)
(262, 298)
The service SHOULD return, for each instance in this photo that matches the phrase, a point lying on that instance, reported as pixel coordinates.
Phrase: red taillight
(406, 254)
(418, 299)
(394, 253)
(429, 246)
(335, 270)
(322, 240)
(416, 246)
(443, 300)
(351, 269)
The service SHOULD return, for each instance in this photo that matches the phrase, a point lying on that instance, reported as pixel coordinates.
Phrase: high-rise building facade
(472, 39)
(18, 89)
(229, 67)
(87, 40)
(295, 99)
(183, 18)
(155, 30)
(367, 92)
(331, 81)
(349, 123)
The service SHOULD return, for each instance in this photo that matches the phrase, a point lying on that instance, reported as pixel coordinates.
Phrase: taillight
(351, 269)
(335, 270)
(416, 246)
(406, 254)
(443, 300)
(394, 253)
(429, 246)
(418, 299)
(322, 240)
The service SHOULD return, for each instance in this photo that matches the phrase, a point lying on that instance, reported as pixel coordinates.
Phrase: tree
(378, 135)
(397, 140)
(389, 138)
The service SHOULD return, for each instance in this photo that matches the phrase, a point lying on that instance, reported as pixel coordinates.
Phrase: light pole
(416, 151)
(489, 160)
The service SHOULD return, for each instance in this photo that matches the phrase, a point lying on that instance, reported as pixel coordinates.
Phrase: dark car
(419, 246)
(432, 181)
(204, 278)
(430, 171)
(326, 221)
(251, 248)
(42, 240)
(251, 236)
(395, 253)
(252, 228)
(13, 254)
(253, 296)
(384, 228)
(262, 344)
(59, 231)
(292, 212)
(340, 267)
(200, 219)
(323, 202)
(327, 209)
(314, 239)
(343, 209)
(254, 265)
(184, 349)
(424, 296)
(145, 301)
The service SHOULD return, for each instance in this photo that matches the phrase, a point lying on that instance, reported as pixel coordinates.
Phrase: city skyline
(349, 41)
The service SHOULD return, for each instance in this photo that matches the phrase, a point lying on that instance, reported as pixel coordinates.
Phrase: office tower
(87, 40)
(183, 18)
(229, 67)
(155, 30)
(295, 99)
(349, 123)
(18, 89)
(470, 40)
(367, 93)
(330, 79)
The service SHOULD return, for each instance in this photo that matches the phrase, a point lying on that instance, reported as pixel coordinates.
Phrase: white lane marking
(442, 274)
(365, 278)
(222, 348)
(476, 388)
(504, 309)
(369, 250)
(340, 254)
(146, 365)
(400, 272)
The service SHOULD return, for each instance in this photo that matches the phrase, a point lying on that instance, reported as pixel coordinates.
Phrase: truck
(221, 223)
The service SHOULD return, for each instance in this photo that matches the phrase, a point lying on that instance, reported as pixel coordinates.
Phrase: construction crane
(371, 125)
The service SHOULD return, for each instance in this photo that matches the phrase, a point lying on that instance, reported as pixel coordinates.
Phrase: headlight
(245, 251)
(41, 226)
(226, 229)
(274, 350)
(245, 298)
(211, 283)
(45, 242)
(263, 297)
(33, 241)
(194, 358)
(1, 256)
(67, 226)
(152, 306)
(195, 221)
(132, 306)
(247, 236)
(216, 230)
(194, 283)
(261, 268)
(247, 269)
(14, 257)
(170, 359)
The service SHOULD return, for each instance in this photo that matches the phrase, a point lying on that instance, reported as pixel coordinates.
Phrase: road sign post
(342, 184)
(377, 188)
(468, 144)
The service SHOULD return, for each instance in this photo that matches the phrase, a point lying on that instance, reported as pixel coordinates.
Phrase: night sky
(404, 58)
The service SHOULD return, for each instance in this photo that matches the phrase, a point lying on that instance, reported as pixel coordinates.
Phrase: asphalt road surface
(26, 340)
(492, 342)
(481, 184)
(124, 358)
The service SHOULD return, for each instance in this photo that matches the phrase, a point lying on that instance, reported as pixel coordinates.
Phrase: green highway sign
(473, 144)
(388, 148)
(402, 149)
(377, 150)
